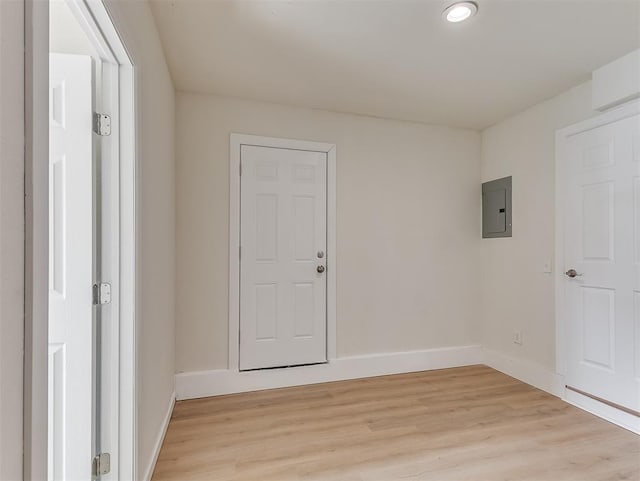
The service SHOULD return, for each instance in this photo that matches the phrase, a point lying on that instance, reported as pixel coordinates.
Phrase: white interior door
(602, 245)
(70, 267)
(283, 238)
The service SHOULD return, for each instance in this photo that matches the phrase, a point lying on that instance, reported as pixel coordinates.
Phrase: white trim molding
(119, 242)
(191, 385)
(157, 446)
(609, 413)
(537, 376)
(120, 399)
(525, 371)
(236, 141)
(199, 384)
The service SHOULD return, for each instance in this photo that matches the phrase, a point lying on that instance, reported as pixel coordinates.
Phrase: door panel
(304, 209)
(636, 219)
(283, 229)
(602, 245)
(636, 296)
(266, 312)
(597, 226)
(636, 243)
(598, 321)
(636, 146)
(304, 309)
(70, 267)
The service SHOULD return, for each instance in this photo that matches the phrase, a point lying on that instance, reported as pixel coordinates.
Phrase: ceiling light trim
(460, 11)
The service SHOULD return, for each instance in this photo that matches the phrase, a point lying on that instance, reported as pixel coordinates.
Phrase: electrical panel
(496, 208)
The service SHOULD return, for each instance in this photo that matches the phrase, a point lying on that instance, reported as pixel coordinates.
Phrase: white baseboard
(525, 371)
(554, 383)
(611, 414)
(160, 439)
(191, 385)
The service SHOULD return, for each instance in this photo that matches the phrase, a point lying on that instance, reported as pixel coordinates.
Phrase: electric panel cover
(496, 208)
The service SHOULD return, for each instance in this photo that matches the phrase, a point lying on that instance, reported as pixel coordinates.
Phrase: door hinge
(101, 294)
(101, 124)
(101, 464)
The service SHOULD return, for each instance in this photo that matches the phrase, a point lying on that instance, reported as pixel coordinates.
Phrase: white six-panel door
(70, 268)
(602, 245)
(283, 237)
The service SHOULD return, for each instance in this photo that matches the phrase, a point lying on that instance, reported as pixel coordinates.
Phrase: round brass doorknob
(320, 269)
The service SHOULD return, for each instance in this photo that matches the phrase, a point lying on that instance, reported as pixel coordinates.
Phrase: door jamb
(95, 14)
(123, 238)
(235, 143)
(624, 111)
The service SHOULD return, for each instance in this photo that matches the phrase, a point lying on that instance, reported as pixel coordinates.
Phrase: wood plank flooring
(470, 423)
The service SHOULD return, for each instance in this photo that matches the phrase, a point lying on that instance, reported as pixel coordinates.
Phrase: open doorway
(91, 358)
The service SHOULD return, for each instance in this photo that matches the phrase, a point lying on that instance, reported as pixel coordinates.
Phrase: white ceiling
(394, 58)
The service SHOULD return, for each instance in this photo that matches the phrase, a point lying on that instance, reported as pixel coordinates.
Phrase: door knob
(572, 273)
(320, 269)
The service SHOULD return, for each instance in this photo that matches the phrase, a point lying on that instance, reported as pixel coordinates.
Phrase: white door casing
(117, 217)
(98, 23)
(284, 246)
(599, 192)
(236, 141)
(70, 267)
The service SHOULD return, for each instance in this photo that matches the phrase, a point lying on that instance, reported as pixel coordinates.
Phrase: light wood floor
(469, 423)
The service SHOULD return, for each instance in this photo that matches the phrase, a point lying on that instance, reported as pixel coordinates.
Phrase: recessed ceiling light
(460, 11)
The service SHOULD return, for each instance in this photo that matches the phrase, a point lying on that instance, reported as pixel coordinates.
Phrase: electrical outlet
(547, 268)
(517, 337)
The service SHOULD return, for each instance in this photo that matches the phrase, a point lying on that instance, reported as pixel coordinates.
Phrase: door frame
(236, 141)
(622, 112)
(99, 26)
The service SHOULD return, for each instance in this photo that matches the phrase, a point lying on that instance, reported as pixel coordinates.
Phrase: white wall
(408, 213)
(65, 33)
(516, 294)
(11, 237)
(616, 82)
(156, 223)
